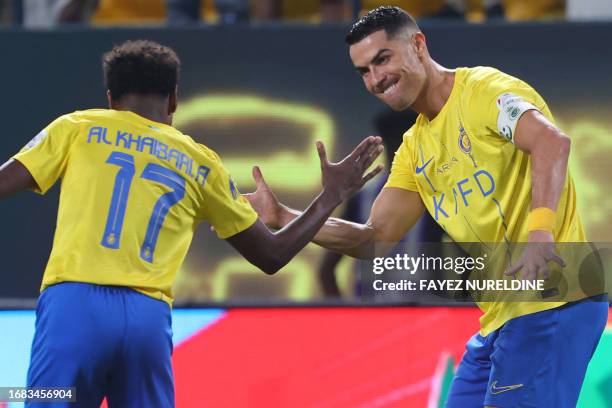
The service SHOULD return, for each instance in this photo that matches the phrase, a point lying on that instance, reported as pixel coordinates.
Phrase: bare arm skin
(270, 251)
(549, 149)
(394, 212)
(14, 177)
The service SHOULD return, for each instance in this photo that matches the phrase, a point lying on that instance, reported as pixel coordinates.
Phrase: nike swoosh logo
(498, 390)
(419, 169)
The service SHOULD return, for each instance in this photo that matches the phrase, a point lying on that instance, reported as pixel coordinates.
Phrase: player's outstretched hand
(264, 201)
(346, 177)
(535, 257)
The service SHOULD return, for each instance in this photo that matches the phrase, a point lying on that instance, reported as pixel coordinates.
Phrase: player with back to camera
(487, 161)
(133, 190)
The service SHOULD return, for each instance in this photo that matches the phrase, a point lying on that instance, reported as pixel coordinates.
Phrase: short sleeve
(46, 155)
(402, 170)
(224, 207)
(499, 100)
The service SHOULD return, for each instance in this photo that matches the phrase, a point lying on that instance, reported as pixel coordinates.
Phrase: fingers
(372, 174)
(370, 156)
(514, 269)
(322, 153)
(554, 257)
(543, 271)
(530, 273)
(259, 179)
(365, 153)
(357, 153)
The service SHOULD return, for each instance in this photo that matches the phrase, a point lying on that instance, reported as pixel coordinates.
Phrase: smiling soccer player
(487, 161)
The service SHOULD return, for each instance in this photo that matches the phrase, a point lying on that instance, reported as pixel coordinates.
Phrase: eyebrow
(374, 58)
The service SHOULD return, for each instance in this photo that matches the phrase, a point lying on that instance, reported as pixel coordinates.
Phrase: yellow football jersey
(132, 193)
(473, 180)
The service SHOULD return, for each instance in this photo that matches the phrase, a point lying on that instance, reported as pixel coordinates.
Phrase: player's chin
(397, 104)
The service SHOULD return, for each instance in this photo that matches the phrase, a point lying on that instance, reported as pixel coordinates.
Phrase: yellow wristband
(541, 219)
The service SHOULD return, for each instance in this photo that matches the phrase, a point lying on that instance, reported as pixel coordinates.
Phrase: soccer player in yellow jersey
(487, 161)
(133, 191)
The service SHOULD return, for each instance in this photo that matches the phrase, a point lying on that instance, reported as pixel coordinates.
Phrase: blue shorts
(536, 360)
(106, 341)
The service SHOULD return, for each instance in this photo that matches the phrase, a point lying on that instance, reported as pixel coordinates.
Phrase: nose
(377, 77)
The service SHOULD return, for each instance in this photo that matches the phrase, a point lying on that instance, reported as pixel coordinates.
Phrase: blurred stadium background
(261, 80)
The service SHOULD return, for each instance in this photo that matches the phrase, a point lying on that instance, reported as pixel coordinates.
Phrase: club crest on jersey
(233, 188)
(465, 144)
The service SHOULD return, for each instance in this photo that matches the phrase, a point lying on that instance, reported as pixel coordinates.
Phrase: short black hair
(389, 18)
(140, 67)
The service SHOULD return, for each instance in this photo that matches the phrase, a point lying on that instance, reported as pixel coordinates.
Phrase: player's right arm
(14, 177)
(396, 209)
(394, 213)
(40, 163)
(269, 250)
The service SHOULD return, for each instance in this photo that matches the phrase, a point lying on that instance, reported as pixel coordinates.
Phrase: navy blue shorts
(106, 341)
(537, 360)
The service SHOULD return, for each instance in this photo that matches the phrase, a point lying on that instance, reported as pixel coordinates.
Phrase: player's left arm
(14, 177)
(549, 149)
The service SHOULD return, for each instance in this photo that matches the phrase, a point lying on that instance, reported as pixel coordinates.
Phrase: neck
(436, 91)
(152, 108)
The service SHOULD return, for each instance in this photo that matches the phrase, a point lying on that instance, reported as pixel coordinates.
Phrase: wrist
(329, 199)
(540, 236)
(285, 216)
(541, 219)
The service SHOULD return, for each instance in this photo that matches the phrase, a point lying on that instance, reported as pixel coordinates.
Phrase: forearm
(345, 237)
(301, 229)
(272, 250)
(548, 171)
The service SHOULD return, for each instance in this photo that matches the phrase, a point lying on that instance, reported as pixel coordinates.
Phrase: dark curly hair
(389, 18)
(140, 67)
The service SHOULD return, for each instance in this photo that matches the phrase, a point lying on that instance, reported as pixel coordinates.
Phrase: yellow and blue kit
(477, 186)
(132, 194)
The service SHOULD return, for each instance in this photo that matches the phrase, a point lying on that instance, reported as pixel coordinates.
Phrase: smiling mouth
(390, 89)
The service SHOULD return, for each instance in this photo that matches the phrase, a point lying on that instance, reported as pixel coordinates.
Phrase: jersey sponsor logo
(495, 389)
(481, 181)
(444, 167)
(36, 140)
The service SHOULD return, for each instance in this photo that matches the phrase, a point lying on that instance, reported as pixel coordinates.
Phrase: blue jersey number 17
(121, 191)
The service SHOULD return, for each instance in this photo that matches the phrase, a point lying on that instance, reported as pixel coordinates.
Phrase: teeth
(391, 88)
